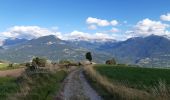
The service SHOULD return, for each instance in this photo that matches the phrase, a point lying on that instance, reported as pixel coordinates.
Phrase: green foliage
(10, 65)
(30, 67)
(7, 66)
(68, 62)
(44, 86)
(8, 85)
(27, 64)
(39, 62)
(111, 62)
(135, 77)
(36, 62)
(89, 56)
(64, 62)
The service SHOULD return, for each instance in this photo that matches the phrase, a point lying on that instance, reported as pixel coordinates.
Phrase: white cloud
(165, 17)
(114, 22)
(92, 27)
(114, 30)
(101, 22)
(28, 32)
(147, 27)
(77, 34)
(87, 36)
(102, 36)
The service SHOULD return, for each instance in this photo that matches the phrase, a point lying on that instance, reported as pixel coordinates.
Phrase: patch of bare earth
(12, 72)
(76, 87)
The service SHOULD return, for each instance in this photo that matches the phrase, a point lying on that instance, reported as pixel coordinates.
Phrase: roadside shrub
(111, 62)
(64, 62)
(39, 62)
(10, 65)
(30, 67)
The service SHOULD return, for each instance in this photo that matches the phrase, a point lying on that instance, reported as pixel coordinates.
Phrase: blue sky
(70, 16)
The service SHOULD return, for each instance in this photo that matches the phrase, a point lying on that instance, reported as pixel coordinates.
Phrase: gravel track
(76, 87)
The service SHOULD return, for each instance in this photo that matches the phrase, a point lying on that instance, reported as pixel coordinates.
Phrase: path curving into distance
(76, 87)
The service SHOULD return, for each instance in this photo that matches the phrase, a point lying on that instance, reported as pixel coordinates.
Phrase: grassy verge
(8, 86)
(40, 86)
(123, 82)
(100, 89)
(36, 85)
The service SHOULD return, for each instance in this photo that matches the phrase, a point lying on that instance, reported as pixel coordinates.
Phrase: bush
(111, 62)
(39, 62)
(64, 62)
(10, 65)
(30, 67)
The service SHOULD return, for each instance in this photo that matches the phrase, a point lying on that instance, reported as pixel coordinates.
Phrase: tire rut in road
(76, 87)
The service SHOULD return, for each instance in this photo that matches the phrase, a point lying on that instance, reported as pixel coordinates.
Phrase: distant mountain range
(146, 51)
(149, 51)
(11, 41)
(50, 47)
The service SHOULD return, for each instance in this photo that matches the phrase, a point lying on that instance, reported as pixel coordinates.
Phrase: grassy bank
(8, 85)
(32, 85)
(101, 90)
(123, 82)
(40, 85)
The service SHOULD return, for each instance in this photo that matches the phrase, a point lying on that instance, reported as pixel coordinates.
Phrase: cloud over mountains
(112, 30)
(28, 32)
(147, 27)
(165, 17)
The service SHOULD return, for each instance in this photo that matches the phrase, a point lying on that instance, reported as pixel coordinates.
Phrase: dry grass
(121, 90)
(161, 91)
(31, 83)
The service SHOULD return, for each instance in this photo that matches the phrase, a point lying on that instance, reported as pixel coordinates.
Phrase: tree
(88, 56)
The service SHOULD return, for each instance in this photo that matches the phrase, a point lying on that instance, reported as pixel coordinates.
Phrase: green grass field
(5, 66)
(117, 82)
(135, 77)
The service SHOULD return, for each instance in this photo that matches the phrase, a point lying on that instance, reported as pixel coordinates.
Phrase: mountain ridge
(150, 50)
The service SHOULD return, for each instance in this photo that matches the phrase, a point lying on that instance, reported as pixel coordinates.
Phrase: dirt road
(76, 87)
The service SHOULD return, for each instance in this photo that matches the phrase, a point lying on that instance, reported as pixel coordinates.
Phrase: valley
(84, 49)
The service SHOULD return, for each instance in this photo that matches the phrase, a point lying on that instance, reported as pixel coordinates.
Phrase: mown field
(3, 65)
(128, 82)
(7, 66)
(135, 77)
